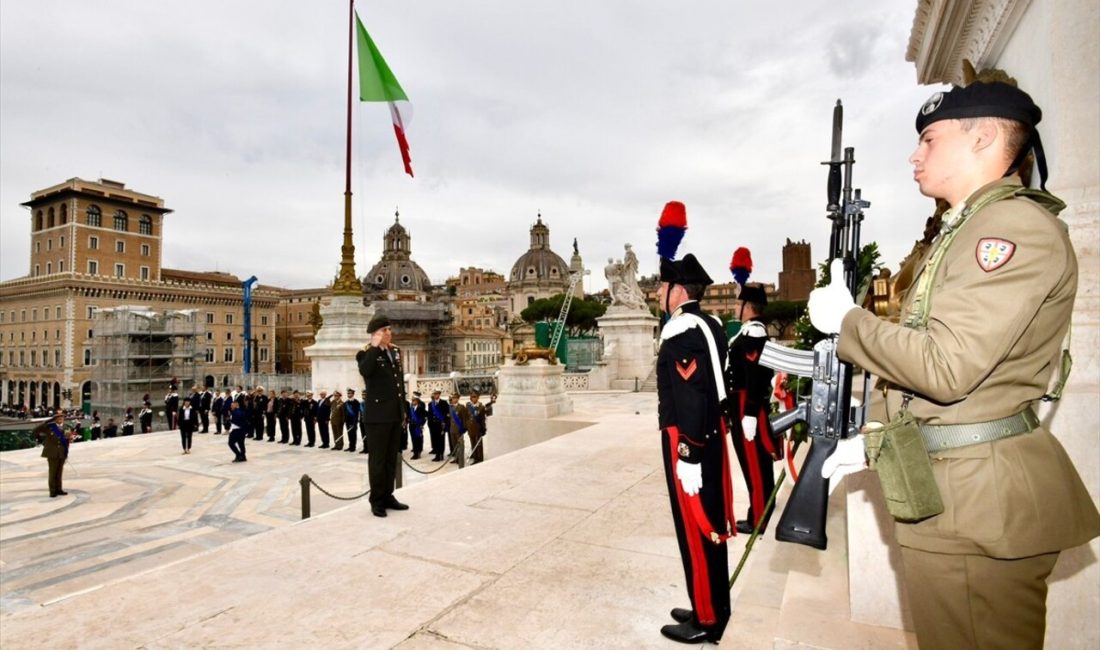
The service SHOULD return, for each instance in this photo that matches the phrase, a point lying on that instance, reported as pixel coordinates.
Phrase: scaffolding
(138, 352)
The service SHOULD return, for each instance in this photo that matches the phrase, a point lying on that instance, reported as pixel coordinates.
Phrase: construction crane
(247, 356)
(574, 278)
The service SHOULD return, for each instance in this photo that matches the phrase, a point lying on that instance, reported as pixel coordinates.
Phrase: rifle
(827, 411)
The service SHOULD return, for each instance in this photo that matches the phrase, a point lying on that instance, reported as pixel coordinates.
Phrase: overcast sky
(594, 113)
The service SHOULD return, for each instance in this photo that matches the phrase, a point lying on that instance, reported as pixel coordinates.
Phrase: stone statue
(622, 281)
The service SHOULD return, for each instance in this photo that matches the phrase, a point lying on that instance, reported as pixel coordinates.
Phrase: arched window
(38, 220)
(93, 216)
(64, 214)
(145, 225)
(121, 221)
(49, 218)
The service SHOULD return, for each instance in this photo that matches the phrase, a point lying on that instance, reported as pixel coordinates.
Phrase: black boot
(687, 632)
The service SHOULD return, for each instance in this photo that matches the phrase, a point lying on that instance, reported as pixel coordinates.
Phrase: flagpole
(347, 284)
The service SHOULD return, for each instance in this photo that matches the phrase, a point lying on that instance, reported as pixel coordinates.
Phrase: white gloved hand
(829, 305)
(748, 427)
(848, 458)
(691, 477)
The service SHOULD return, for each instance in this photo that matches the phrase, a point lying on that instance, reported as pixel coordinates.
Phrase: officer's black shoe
(393, 504)
(680, 615)
(744, 526)
(325, 446)
(687, 633)
(309, 445)
(61, 493)
(378, 510)
(363, 452)
(416, 456)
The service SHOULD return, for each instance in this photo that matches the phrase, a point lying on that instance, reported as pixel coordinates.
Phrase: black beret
(753, 293)
(979, 99)
(378, 322)
(684, 271)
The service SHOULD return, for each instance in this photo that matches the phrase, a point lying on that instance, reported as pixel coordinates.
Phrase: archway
(56, 395)
(32, 398)
(208, 381)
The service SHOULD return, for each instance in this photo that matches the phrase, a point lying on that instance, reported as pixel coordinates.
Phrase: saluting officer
(980, 333)
(384, 412)
(748, 385)
(690, 389)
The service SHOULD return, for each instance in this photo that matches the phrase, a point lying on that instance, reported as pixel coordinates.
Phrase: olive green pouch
(896, 452)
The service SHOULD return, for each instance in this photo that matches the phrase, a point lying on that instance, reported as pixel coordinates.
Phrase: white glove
(691, 477)
(829, 305)
(748, 427)
(848, 458)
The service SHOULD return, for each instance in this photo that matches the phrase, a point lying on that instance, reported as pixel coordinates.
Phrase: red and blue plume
(670, 229)
(741, 265)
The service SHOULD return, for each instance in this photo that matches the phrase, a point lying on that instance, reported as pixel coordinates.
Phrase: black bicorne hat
(753, 293)
(684, 271)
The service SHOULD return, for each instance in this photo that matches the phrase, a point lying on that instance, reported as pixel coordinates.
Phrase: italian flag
(377, 84)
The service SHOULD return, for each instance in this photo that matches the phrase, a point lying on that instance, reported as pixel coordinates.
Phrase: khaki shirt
(992, 341)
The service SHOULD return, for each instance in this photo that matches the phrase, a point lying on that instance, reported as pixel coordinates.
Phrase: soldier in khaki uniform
(980, 335)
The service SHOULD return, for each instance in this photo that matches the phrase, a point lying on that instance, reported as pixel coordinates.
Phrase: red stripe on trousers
(757, 481)
(700, 588)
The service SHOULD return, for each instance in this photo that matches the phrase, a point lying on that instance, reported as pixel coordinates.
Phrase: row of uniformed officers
(336, 419)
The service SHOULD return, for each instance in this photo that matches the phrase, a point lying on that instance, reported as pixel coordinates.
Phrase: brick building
(798, 277)
(98, 244)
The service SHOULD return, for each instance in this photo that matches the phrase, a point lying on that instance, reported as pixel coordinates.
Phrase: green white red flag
(377, 84)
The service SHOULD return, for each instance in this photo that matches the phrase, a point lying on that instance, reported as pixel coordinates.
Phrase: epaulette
(754, 329)
(678, 326)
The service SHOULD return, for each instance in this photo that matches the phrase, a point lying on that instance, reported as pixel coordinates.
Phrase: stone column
(628, 340)
(343, 333)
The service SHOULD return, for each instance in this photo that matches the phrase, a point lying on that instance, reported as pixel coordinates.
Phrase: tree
(783, 314)
(580, 320)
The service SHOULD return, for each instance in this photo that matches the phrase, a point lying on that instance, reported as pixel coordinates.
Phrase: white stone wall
(1055, 55)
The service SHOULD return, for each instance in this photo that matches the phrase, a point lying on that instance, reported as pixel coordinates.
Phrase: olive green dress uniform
(976, 574)
(55, 450)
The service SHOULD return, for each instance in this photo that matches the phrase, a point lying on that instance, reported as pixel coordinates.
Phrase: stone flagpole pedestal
(343, 333)
(534, 390)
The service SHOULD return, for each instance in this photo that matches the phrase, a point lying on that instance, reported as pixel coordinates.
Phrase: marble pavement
(564, 544)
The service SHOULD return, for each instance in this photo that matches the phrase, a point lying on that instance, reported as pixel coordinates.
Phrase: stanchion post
(305, 481)
(399, 478)
(460, 451)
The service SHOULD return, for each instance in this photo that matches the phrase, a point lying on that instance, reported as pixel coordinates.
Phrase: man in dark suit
(309, 414)
(259, 412)
(324, 413)
(384, 412)
(217, 404)
(171, 406)
(351, 419)
(55, 449)
(285, 406)
(297, 412)
(438, 412)
(188, 421)
(206, 399)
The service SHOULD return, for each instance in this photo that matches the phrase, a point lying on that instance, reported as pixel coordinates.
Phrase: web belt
(938, 437)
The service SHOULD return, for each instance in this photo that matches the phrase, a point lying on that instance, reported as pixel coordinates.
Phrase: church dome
(396, 275)
(539, 263)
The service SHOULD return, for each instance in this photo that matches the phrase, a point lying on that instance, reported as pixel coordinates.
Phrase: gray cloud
(595, 114)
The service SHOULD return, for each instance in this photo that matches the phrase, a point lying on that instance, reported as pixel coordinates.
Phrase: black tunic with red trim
(693, 431)
(749, 387)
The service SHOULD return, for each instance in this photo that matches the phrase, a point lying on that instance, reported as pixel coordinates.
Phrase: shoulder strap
(715, 366)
